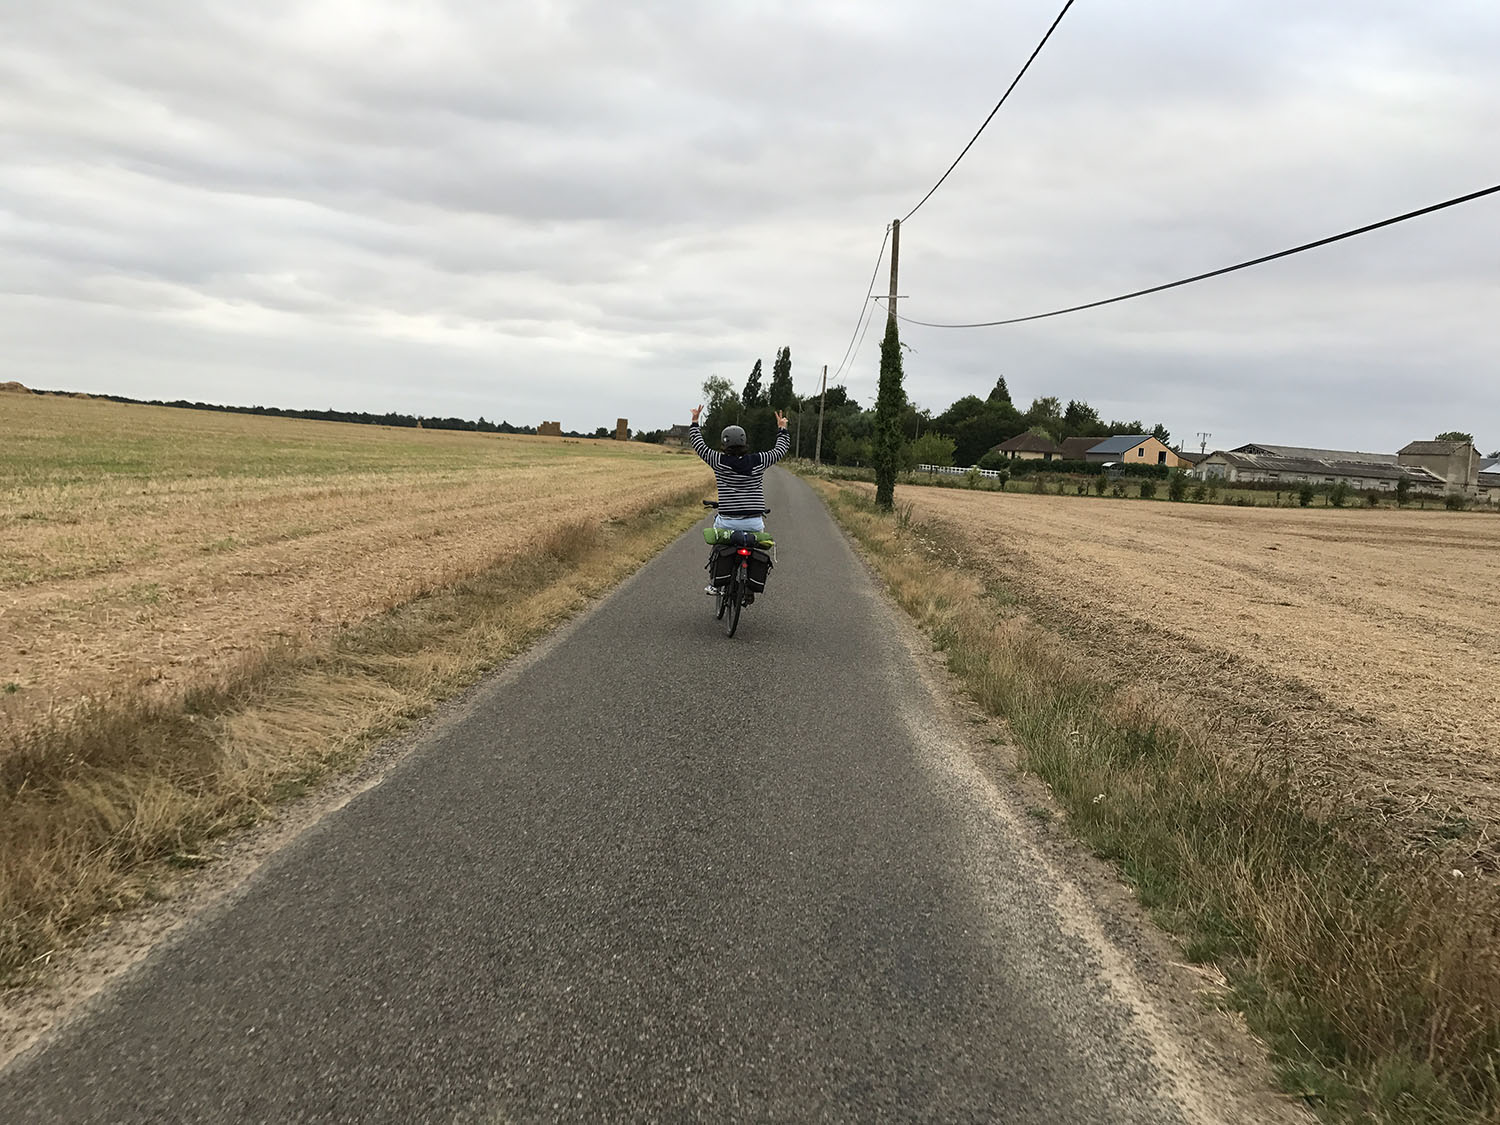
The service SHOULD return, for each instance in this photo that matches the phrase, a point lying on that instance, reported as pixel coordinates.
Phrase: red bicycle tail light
(744, 552)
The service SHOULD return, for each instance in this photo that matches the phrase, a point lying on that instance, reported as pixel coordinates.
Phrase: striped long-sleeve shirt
(742, 492)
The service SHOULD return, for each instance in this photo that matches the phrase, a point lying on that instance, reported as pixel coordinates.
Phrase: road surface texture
(658, 875)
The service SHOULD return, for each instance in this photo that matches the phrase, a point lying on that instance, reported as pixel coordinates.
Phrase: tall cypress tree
(890, 403)
(753, 395)
(781, 380)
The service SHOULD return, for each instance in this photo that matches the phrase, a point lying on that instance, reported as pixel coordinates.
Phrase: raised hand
(780, 420)
(697, 410)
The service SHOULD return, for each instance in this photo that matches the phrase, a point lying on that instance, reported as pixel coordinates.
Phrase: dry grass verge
(97, 806)
(1373, 975)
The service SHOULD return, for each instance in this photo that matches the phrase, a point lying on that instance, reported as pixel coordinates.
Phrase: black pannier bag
(721, 565)
(760, 566)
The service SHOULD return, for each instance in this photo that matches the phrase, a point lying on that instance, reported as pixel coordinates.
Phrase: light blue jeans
(754, 523)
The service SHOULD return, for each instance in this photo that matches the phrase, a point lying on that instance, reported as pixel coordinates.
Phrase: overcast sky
(579, 211)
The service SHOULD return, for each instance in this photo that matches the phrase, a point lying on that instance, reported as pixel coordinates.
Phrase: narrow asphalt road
(657, 876)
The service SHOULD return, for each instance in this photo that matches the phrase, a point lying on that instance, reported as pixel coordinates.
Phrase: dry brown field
(1367, 641)
(146, 548)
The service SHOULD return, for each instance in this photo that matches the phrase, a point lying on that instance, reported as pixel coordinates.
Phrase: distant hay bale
(14, 388)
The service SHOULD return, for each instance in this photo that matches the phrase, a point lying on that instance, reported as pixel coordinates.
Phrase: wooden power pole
(895, 263)
(822, 398)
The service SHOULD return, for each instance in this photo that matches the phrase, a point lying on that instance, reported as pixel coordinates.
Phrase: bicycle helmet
(733, 437)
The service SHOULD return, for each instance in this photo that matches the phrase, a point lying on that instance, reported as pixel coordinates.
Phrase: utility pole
(895, 262)
(1203, 441)
(822, 398)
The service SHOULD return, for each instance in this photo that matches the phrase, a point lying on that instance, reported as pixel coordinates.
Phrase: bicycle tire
(734, 598)
(721, 602)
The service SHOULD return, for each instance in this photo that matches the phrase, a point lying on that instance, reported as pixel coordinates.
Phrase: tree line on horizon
(962, 435)
(357, 417)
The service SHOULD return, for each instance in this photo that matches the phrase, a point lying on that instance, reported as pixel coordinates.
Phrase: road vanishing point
(652, 875)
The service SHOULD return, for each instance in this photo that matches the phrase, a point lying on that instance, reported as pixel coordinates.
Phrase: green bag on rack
(721, 536)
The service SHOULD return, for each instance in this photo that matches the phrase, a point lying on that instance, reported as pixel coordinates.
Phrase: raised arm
(695, 435)
(783, 444)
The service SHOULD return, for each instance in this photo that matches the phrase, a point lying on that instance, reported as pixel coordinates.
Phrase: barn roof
(1317, 454)
(1076, 447)
(1323, 467)
(1434, 448)
(1028, 443)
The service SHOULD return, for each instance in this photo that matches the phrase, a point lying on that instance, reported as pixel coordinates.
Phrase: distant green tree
(722, 407)
(931, 449)
(1305, 494)
(1101, 482)
(1455, 435)
(1161, 433)
(1177, 485)
(1001, 393)
(754, 396)
(1045, 412)
(1338, 495)
(1080, 420)
(851, 450)
(890, 402)
(760, 428)
(978, 435)
(781, 380)
(1403, 492)
(1148, 490)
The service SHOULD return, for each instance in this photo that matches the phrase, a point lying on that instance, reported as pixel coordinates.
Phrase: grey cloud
(522, 207)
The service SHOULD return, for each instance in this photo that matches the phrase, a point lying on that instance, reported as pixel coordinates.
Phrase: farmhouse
(1028, 447)
(1134, 449)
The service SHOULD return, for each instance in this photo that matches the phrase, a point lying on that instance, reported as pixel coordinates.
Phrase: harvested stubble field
(1363, 642)
(148, 549)
(1280, 728)
(201, 614)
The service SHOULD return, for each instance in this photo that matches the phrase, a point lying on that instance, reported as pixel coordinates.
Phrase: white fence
(954, 470)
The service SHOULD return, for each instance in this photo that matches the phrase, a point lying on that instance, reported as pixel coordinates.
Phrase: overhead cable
(1014, 82)
(864, 306)
(1216, 273)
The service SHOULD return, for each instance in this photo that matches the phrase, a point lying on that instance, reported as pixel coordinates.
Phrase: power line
(1227, 269)
(855, 354)
(865, 307)
(1014, 82)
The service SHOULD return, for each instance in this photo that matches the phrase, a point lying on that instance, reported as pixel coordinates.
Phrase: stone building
(1457, 462)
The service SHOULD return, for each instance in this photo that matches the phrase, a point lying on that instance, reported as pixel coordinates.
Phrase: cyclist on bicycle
(740, 474)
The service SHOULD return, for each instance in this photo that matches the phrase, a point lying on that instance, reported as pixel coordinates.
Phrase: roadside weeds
(101, 809)
(1373, 975)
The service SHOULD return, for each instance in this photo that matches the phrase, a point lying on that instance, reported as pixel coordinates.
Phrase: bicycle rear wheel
(733, 599)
